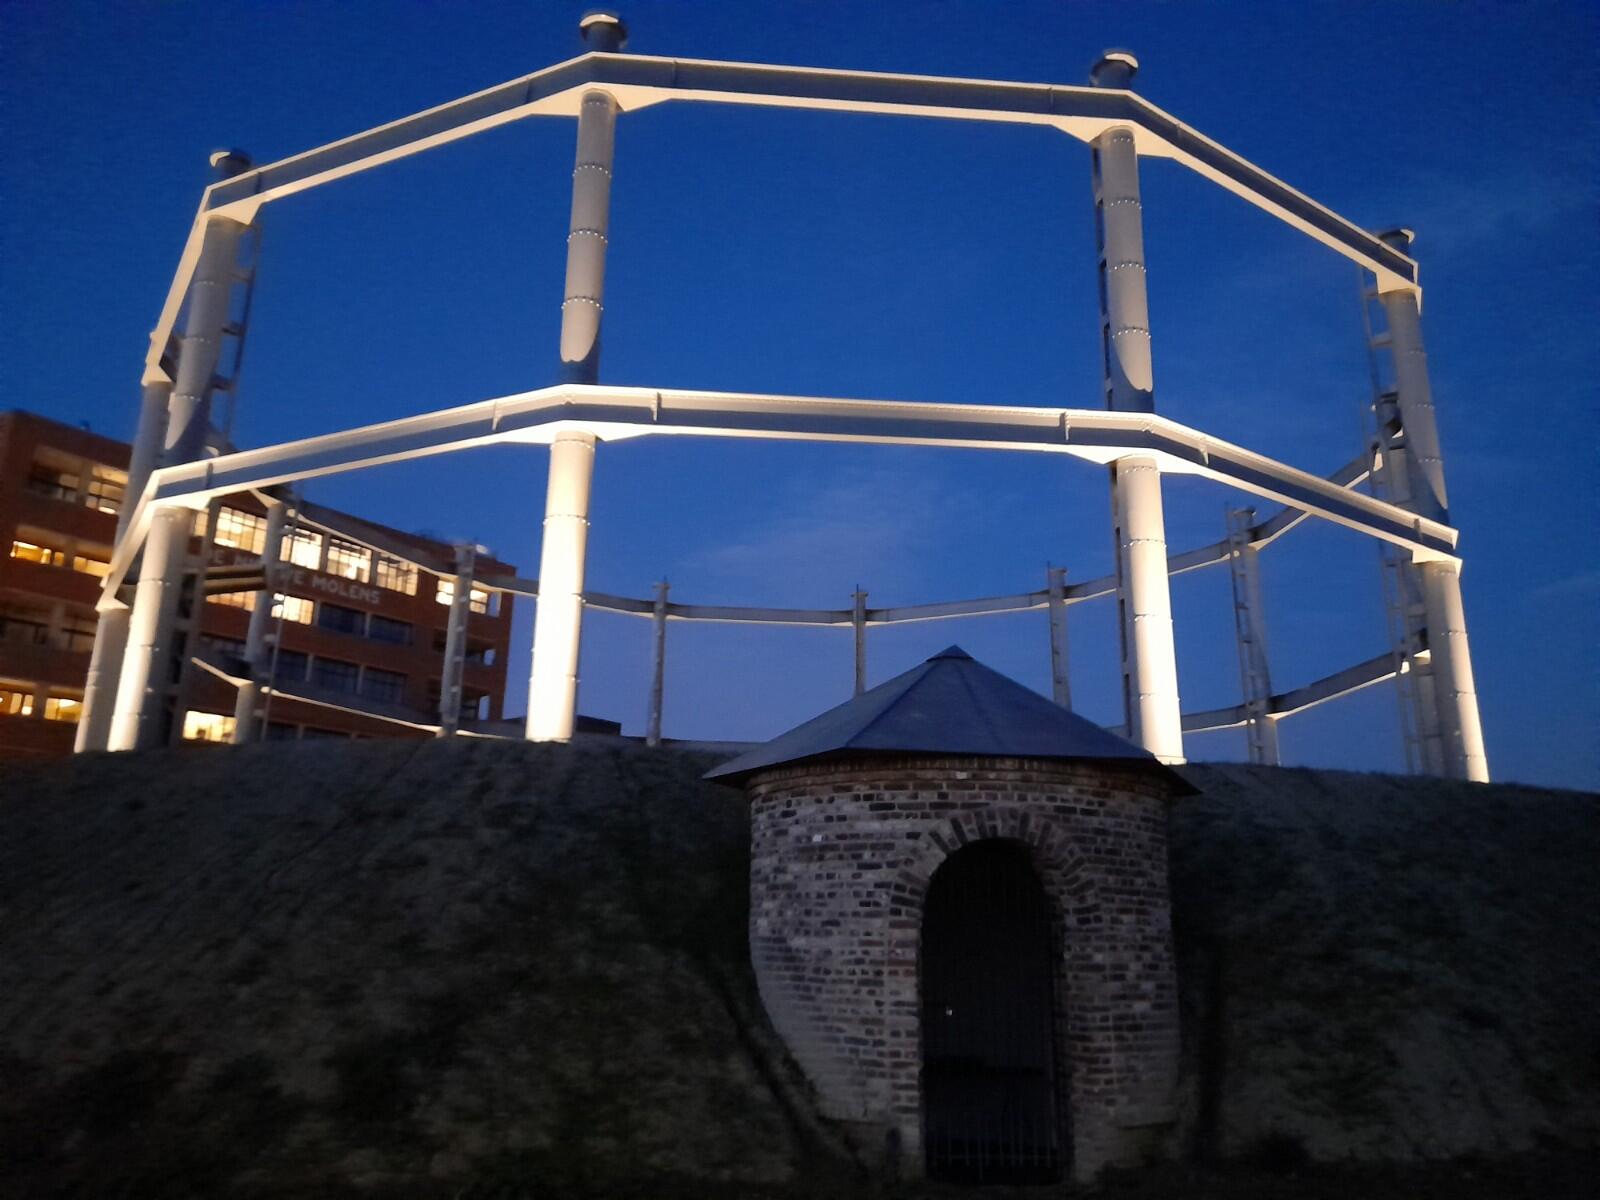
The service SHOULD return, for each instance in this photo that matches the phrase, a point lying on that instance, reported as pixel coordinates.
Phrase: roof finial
(603, 31)
(1114, 69)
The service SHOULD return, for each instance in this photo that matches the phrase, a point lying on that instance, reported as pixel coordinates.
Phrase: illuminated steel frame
(172, 476)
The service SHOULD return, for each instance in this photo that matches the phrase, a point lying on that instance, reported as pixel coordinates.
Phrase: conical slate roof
(951, 704)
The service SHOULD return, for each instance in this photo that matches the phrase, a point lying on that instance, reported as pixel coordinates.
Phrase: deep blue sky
(873, 257)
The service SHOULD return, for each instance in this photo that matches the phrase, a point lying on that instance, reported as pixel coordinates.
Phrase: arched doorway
(988, 1020)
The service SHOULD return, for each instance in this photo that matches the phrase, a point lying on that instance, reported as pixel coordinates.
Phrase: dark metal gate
(988, 1030)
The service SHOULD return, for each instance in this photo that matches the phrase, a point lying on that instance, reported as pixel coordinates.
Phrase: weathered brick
(835, 962)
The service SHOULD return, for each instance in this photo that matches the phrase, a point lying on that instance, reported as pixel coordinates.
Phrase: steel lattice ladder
(219, 436)
(1405, 614)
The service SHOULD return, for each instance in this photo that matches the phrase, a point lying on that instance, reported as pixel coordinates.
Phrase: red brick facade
(842, 855)
(61, 489)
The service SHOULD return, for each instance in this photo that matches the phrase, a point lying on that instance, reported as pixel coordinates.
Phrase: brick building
(359, 610)
(960, 925)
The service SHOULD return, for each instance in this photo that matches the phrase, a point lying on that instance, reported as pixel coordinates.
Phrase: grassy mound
(486, 969)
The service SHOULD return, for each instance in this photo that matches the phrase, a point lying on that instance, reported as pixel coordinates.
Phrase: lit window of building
(241, 530)
(446, 594)
(67, 487)
(54, 475)
(88, 564)
(341, 619)
(34, 553)
(106, 488)
(349, 560)
(207, 727)
(387, 687)
(63, 708)
(334, 675)
(303, 548)
(15, 701)
(293, 608)
(244, 600)
(396, 575)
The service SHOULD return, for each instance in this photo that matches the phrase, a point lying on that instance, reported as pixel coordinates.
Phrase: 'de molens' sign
(330, 584)
(300, 580)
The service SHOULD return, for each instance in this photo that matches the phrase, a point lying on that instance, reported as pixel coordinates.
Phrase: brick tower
(960, 925)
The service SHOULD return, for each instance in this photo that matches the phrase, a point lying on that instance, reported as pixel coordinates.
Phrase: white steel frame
(575, 414)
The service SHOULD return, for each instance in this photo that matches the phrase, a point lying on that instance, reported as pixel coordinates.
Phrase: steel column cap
(1399, 238)
(228, 163)
(1114, 69)
(603, 31)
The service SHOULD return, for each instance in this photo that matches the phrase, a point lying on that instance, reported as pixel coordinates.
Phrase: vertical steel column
(100, 686)
(588, 228)
(257, 653)
(111, 628)
(1154, 720)
(1454, 687)
(1455, 698)
(1404, 597)
(455, 641)
(1250, 632)
(1150, 673)
(658, 664)
(147, 668)
(186, 629)
(146, 677)
(558, 620)
(858, 623)
(1060, 685)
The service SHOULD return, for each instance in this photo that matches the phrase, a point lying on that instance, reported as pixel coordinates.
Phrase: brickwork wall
(841, 858)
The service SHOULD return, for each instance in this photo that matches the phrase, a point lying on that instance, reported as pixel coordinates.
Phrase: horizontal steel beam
(613, 413)
(1261, 534)
(349, 710)
(1380, 669)
(1354, 473)
(940, 610)
(1214, 720)
(1352, 679)
(1375, 670)
(637, 81)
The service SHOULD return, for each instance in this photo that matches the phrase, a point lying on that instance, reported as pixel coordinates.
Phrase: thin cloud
(871, 526)
(1584, 583)
(1458, 214)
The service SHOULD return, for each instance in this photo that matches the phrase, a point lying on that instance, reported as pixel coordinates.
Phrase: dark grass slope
(1384, 968)
(379, 965)
(477, 969)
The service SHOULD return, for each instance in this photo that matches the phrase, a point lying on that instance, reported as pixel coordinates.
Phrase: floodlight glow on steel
(576, 413)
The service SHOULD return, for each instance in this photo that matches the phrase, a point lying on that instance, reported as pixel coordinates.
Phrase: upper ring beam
(637, 81)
